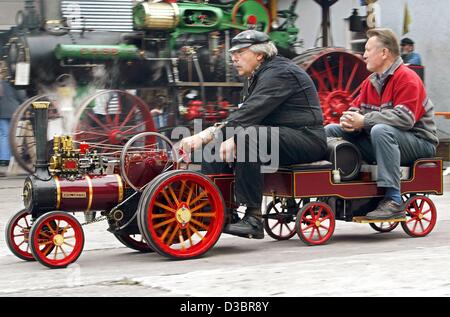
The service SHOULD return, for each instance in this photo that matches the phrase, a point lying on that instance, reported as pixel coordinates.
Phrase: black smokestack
(40, 133)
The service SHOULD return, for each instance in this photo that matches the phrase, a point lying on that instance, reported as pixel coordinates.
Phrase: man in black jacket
(280, 99)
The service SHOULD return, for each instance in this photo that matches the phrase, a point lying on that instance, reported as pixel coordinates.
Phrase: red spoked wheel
(109, 118)
(63, 233)
(337, 74)
(384, 226)
(134, 241)
(420, 216)
(18, 236)
(315, 223)
(181, 214)
(279, 220)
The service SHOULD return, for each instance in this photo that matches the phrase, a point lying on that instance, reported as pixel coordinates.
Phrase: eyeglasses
(239, 52)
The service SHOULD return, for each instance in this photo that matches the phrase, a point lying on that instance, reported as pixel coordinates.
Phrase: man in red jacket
(391, 121)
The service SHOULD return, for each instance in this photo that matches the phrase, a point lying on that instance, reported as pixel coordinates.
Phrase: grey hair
(268, 49)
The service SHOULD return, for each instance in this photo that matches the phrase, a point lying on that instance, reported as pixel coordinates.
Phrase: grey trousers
(388, 147)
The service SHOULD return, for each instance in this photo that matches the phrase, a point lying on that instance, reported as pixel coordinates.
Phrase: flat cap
(406, 41)
(248, 38)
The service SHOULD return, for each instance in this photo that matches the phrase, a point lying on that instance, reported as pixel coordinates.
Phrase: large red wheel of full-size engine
(109, 118)
(337, 74)
(315, 223)
(63, 233)
(18, 236)
(181, 214)
(420, 216)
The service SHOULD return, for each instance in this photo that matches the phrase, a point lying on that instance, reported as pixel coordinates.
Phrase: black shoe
(249, 227)
(387, 209)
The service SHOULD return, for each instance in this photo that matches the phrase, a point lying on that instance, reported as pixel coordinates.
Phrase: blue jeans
(5, 150)
(388, 147)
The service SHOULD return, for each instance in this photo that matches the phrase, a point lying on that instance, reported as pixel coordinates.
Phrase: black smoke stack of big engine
(40, 126)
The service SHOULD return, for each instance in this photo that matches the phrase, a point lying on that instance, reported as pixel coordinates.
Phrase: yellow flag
(406, 19)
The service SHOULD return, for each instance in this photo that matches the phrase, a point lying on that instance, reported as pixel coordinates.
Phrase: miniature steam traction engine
(153, 205)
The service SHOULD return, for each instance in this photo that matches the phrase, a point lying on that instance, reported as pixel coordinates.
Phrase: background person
(409, 56)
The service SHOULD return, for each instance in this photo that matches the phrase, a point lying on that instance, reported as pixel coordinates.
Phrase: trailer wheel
(63, 232)
(384, 226)
(181, 214)
(420, 216)
(279, 220)
(315, 223)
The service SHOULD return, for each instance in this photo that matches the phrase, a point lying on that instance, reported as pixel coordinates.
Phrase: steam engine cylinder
(83, 194)
(156, 16)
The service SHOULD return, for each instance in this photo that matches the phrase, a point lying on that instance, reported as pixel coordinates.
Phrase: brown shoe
(387, 209)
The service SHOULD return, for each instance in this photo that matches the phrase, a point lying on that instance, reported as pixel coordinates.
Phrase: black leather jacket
(278, 94)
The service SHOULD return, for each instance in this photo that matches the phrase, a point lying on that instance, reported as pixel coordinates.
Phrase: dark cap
(248, 38)
(406, 41)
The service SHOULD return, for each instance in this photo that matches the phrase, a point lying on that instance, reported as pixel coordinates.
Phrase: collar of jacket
(379, 81)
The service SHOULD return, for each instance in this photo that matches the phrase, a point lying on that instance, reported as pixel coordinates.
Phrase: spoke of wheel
(156, 216)
(172, 236)
(276, 209)
(183, 185)
(56, 252)
(421, 226)
(319, 78)
(166, 231)
(96, 120)
(164, 223)
(204, 214)
(50, 228)
(329, 73)
(189, 234)
(203, 194)
(70, 245)
(308, 227)
(341, 71)
(128, 117)
(64, 252)
(281, 230)
(172, 193)
(21, 243)
(180, 237)
(45, 243)
(196, 232)
(415, 225)
(169, 201)
(26, 222)
(132, 128)
(276, 224)
(191, 191)
(201, 225)
(323, 227)
(203, 204)
(312, 233)
(320, 235)
(165, 207)
(287, 226)
(352, 76)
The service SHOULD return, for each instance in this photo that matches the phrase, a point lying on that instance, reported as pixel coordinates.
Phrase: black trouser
(301, 145)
